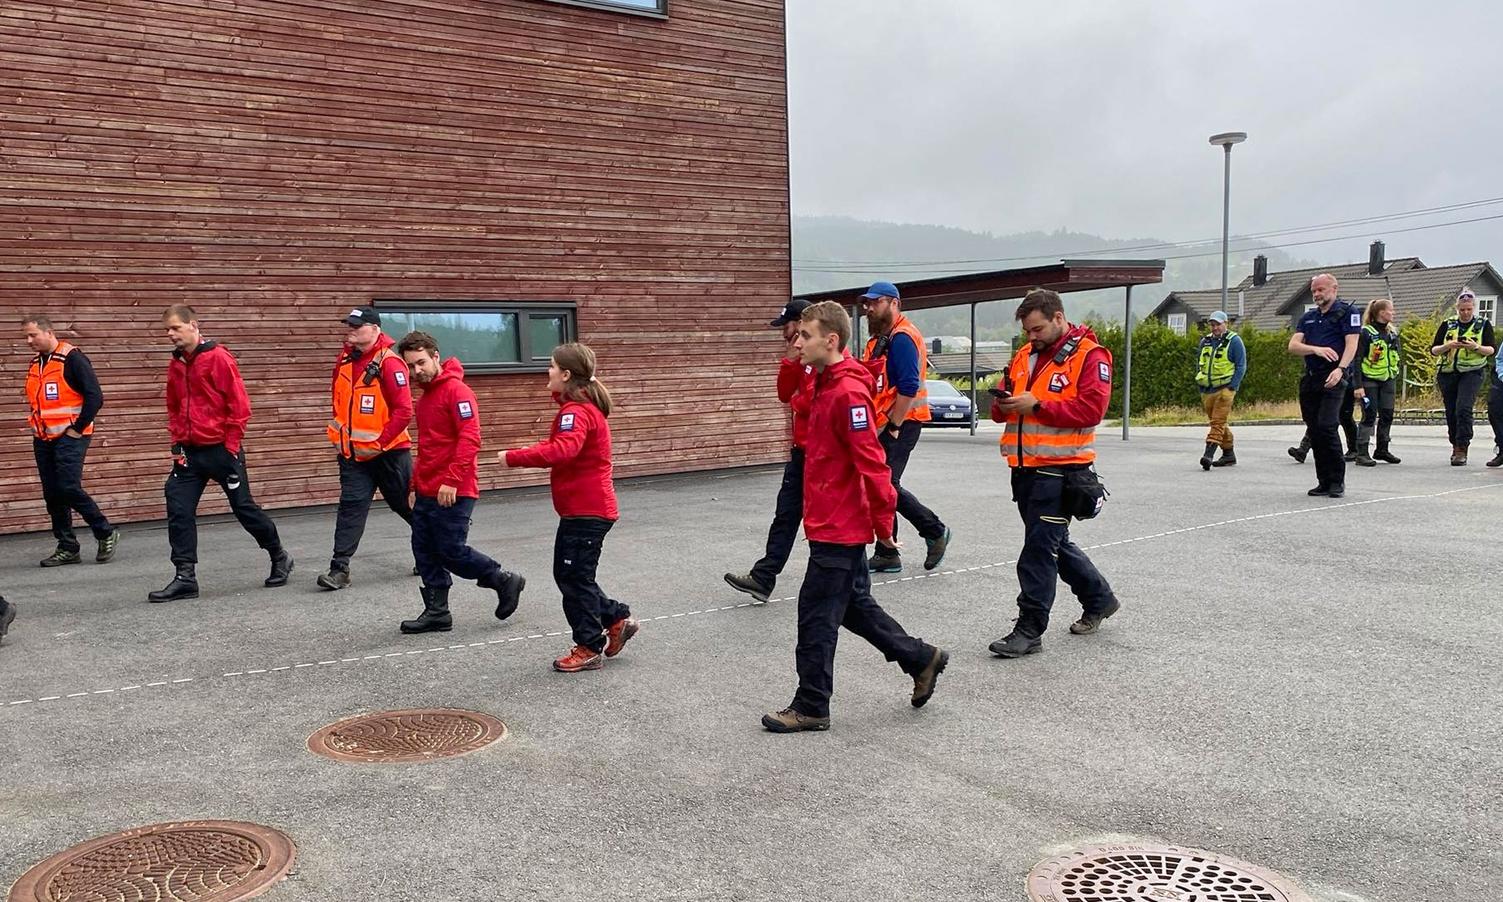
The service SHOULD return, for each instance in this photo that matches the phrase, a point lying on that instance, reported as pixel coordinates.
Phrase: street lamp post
(1226, 140)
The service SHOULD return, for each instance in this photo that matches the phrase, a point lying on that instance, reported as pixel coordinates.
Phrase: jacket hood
(207, 344)
(850, 368)
(1083, 331)
(451, 368)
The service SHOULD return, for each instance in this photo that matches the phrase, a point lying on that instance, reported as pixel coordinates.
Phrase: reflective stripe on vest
(361, 412)
(54, 403)
(1463, 360)
(1382, 361)
(1216, 368)
(886, 395)
(1030, 443)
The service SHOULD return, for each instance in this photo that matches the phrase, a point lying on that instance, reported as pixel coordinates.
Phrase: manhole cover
(202, 861)
(1142, 873)
(405, 736)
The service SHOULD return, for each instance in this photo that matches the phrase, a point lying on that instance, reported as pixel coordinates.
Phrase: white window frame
(1487, 307)
(1177, 322)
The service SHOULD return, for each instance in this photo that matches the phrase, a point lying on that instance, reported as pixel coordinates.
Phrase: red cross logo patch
(1058, 381)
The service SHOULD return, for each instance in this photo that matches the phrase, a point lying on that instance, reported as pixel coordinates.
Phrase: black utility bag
(1084, 494)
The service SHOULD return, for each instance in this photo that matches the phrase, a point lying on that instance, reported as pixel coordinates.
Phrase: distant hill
(861, 249)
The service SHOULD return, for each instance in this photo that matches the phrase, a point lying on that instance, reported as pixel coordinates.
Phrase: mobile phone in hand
(1000, 393)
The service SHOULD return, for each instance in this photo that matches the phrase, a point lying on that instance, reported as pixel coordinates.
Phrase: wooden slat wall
(276, 162)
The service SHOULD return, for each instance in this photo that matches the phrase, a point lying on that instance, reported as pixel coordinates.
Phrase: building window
(658, 8)
(1177, 323)
(1487, 307)
(486, 336)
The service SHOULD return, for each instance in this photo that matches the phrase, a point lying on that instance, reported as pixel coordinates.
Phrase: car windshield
(938, 388)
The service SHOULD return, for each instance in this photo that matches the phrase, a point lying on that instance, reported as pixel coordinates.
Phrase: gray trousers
(1376, 412)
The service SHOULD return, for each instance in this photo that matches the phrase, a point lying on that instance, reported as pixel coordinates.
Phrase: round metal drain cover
(421, 734)
(1144, 873)
(201, 861)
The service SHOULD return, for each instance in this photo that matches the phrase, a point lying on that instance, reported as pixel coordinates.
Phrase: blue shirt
(903, 366)
(1329, 330)
(1236, 352)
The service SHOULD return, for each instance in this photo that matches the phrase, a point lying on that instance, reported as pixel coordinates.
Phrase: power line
(1214, 253)
(818, 265)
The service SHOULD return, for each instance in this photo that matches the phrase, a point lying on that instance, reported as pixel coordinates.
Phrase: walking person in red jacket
(207, 411)
(578, 452)
(446, 486)
(849, 499)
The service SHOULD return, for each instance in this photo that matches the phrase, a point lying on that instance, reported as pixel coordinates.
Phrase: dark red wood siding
(275, 162)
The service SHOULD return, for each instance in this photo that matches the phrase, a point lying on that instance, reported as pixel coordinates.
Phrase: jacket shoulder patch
(860, 418)
(1104, 371)
(401, 376)
(566, 423)
(466, 410)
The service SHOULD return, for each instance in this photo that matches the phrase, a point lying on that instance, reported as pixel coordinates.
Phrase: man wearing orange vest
(64, 396)
(898, 362)
(1058, 387)
(372, 409)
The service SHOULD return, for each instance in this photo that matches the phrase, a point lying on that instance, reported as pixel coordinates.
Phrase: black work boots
(184, 585)
(435, 616)
(1209, 456)
(281, 568)
(508, 587)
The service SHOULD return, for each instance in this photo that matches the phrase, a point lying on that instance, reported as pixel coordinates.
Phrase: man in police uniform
(64, 395)
(1327, 338)
(1463, 343)
(1059, 385)
(1221, 363)
(795, 380)
(898, 361)
(372, 409)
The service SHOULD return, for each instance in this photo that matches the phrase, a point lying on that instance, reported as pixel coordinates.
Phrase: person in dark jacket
(849, 500)
(578, 456)
(447, 486)
(207, 412)
(64, 396)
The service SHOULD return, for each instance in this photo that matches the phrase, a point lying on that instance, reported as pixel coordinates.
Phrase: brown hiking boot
(1089, 623)
(1458, 455)
(791, 721)
(923, 681)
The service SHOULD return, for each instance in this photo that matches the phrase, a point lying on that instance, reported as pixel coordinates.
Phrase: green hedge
(1163, 366)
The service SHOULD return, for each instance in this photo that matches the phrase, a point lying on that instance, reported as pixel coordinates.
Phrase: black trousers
(60, 464)
(1320, 408)
(1495, 409)
(576, 555)
(1459, 392)
(909, 508)
(440, 544)
(1048, 555)
(199, 465)
(837, 593)
(785, 523)
(358, 481)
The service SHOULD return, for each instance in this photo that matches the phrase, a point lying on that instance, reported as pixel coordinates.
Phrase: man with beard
(896, 357)
(1057, 390)
(1327, 338)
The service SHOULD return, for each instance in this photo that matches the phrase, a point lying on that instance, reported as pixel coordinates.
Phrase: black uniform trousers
(909, 508)
(440, 537)
(1048, 555)
(1320, 408)
(60, 464)
(199, 465)
(391, 472)
(786, 519)
(1459, 392)
(837, 592)
(576, 555)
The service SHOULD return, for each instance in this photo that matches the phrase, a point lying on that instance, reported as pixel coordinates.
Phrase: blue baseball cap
(881, 290)
(1218, 317)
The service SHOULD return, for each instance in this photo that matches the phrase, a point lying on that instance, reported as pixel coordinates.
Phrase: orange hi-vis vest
(361, 412)
(54, 403)
(1025, 440)
(886, 394)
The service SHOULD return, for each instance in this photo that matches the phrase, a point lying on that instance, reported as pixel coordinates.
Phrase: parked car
(947, 406)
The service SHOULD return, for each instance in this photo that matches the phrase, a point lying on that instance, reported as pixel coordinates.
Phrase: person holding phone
(1463, 343)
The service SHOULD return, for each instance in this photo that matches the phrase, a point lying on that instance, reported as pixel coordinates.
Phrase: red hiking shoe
(579, 658)
(618, 634)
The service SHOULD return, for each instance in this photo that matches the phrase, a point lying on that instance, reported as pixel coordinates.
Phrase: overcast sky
(1006, 116)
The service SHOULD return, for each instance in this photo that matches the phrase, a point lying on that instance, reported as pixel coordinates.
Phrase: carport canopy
(1003, 284)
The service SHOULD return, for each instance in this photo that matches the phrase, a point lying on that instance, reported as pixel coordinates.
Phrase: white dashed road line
(750, 604)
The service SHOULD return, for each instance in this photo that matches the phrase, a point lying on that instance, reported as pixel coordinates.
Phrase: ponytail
(579, 360)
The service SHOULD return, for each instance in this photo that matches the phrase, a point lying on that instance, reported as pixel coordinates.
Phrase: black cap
(791, 312)
(362, 315)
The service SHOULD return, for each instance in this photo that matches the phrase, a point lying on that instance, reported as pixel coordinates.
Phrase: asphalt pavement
(1307, 684)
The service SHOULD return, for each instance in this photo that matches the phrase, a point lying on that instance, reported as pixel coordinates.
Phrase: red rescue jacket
(848, 493)
(578, 451)
(206, 399)
(448, 422)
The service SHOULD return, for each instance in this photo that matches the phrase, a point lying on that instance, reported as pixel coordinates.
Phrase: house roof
(1414, 292)
(956, 363)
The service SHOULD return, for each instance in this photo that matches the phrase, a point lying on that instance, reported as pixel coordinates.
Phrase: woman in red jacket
(578, 451)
